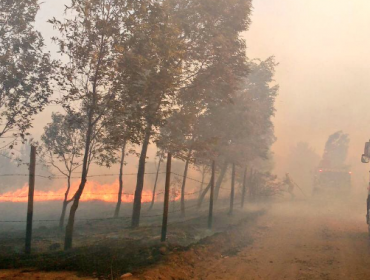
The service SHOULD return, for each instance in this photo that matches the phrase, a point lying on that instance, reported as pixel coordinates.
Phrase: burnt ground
(107, 249)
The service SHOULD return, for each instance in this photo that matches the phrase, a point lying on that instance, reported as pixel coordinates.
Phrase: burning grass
(93, 191)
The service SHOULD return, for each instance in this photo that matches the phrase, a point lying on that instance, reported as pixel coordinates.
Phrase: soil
(296, 240)
(39, 275)
(293, 240)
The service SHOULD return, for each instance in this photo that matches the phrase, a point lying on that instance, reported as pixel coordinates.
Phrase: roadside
(296, 241)
(111, 254)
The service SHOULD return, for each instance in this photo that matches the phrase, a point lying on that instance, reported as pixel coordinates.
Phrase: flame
(92, 191)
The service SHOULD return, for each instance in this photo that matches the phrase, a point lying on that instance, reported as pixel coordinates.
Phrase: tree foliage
(63, 143)
(25, 67)
(62, 148)
(173, 44)
(89, 40)
(241, 131)
(174, 72)
(336, 149)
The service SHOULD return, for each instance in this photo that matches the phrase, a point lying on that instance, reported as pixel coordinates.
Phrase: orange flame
(93, 191)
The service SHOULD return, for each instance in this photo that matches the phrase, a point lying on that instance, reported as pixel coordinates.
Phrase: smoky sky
(324, 73)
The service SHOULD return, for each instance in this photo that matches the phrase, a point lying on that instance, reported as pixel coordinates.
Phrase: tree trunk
(72, 213)
(140, 179)
(155, 184)
(166, 198)
(203, 194)
(202, 183)
(184, 184)
(218, 184)
(210, 212)
(220, 179)
(65, 203)
(250, 185)
(232, 193)
(253, 186)
(119, 199)
(85, 164)
(244, 189)
(31, 192)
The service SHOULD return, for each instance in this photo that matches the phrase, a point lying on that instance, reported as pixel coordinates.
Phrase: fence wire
(125, 218)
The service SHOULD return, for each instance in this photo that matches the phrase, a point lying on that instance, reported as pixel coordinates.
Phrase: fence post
(31, 190)
(166, 198)
(155, 182)
(232, 190)
(210, 214)
(254, 186)
(251, 184)
(244, 187)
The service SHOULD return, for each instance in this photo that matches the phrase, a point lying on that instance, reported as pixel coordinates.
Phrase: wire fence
(106, 218)
(98, 230)
(110, 225)
(198, 214)
(59, 177)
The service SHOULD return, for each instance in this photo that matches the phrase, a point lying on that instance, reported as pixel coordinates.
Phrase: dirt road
(297, 241)
(306, 243)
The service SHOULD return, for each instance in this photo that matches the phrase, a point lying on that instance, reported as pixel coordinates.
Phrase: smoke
(336, 150)
(322, 50)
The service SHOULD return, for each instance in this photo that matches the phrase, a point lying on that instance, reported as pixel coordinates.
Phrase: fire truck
(365, 159)
(332, 182)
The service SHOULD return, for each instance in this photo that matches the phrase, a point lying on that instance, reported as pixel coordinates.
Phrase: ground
(293, 240)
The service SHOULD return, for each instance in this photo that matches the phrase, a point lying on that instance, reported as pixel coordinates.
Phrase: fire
(93, 191)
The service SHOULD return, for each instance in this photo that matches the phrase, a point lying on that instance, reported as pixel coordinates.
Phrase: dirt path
(324, 244)
(294, 241)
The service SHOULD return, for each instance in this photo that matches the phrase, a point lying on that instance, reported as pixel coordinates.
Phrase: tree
(217, 61)
(151, 67)
(336, 149)
(176, 136)
(123, 128)
(242, 130)
(63, 144)
(25, 68)
(264, 185)
(90, 40)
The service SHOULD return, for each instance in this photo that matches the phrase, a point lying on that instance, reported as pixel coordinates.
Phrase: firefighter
(289, 182)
